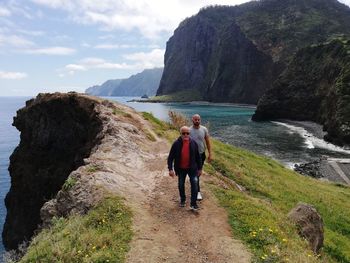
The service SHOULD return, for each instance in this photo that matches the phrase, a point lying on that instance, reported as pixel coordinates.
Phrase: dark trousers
(193, 174)
(203, 159)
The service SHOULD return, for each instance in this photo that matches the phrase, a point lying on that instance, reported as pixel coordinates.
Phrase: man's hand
(209, 158)
(171, 173)
(199, 173)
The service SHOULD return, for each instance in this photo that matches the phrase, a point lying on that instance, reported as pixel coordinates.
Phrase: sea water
(9, 139)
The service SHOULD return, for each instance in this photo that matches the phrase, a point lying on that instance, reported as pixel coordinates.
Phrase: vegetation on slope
(103, 235)
(315, 86)
(258, 216)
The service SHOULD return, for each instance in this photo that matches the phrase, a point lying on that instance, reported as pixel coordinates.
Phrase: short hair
(184, 128)
(196, 115)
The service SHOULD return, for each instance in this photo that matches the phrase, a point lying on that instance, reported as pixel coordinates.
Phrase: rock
(234, 53)
(309, 224)
(314, 87)
(57, 132)
(309, 169)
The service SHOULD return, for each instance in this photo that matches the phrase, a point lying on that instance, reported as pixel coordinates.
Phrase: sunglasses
(185, 133)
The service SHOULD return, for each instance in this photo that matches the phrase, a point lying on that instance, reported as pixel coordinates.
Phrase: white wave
(312, 141)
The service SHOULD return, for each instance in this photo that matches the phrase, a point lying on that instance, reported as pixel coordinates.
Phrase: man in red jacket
(187, 161)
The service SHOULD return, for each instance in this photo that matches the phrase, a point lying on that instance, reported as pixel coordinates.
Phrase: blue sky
(62, 45)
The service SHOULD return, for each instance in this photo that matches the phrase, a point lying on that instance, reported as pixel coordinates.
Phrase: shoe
(182, 204)
(199, 196)
(194, 207)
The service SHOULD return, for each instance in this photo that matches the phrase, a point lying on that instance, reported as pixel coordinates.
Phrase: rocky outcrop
(216, 59)
(309, 224)
(57, 133)
(74, 150)
(146, 82)
(234, 53)
(316, 87)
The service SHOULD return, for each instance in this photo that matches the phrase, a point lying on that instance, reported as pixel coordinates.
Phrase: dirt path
(133, 166)
(164, 232)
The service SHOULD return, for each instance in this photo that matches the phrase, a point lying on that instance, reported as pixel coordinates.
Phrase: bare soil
(165, 232)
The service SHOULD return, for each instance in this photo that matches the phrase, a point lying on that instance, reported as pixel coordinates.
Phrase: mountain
(146, 82)
(235, 53)
(315, 86)
(106, 89)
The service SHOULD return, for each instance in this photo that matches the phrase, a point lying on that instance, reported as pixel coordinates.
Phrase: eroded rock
(309, 223)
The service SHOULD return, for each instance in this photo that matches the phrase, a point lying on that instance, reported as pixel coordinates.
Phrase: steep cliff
(105, 89)
(145, 82)
(57, 133)
(234, 53)
(315, 86)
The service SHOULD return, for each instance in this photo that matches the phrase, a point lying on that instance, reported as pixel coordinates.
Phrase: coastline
(242, 105)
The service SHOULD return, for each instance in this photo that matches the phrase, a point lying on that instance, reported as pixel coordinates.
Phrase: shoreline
(226, 104)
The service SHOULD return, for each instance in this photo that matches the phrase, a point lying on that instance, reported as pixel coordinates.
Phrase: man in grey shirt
(200, 135)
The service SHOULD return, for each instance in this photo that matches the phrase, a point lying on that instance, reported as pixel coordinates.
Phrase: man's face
(196, 120)
(185, 134)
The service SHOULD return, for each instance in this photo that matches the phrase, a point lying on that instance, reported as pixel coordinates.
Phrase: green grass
(69, 183)
(103, 235)
(180, 96)
(272, 191)
(259, 216)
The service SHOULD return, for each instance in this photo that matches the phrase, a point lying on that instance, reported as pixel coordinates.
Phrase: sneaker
(199, 196)
(182, 204)
(194, 207)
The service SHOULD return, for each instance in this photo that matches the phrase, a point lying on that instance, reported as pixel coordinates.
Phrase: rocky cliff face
(233, 54)
(315, 86)
(57, 133)
(74, 151)
(145, 82)
(217, 59)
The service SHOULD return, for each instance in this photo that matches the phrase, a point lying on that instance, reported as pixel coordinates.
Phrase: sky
(70, 45)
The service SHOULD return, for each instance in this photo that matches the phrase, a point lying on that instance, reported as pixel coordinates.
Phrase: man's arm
(207, 142)
(198, 159)
(171, 158)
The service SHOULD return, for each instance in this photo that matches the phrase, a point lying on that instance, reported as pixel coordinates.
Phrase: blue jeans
(203, 159)
(193, 174)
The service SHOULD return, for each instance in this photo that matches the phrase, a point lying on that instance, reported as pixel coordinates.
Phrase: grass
(272, 191)
(103, 235)
(180, 96)
(258, 216)
(69, 183)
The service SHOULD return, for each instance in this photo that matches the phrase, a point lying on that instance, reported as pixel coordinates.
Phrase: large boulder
(309, 223)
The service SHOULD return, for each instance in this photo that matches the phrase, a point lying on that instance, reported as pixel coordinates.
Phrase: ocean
(9, 139)
(287, 142)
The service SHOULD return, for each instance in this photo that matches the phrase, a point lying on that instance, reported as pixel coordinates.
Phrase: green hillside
(258, 215)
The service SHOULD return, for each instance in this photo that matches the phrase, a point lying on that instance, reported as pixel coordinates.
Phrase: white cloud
(14, 41)
(152, 59)
(12, 75)
(137, 61)
(149, 17)
(347, 2)
(75, 67)
(4, 11)
(55, 51)
(114, 46)
(31, 32)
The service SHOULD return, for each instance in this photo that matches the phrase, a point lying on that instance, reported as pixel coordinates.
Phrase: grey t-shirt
(199, 136)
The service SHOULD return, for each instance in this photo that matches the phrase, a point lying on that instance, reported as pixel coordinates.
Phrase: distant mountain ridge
(144, 83)
(235, 53)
